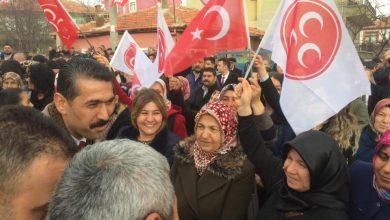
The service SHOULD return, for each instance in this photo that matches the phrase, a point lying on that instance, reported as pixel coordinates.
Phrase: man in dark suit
(202, 96)
(226, 77)
(232, 66)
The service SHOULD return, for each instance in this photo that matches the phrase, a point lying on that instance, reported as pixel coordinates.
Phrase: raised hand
(245, 99)
(174, 84)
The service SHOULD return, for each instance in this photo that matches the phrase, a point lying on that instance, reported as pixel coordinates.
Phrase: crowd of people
(78, 141)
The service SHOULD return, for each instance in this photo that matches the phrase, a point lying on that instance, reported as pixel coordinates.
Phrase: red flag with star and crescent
(219, 26)
(60, 20)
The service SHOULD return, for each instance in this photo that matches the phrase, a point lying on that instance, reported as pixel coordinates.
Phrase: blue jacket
(365, 203)
(194, 85)
(367, 145)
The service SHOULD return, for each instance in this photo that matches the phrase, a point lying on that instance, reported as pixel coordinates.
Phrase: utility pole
(113, 33)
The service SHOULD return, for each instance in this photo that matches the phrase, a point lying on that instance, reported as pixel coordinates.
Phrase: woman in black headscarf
(312, 182)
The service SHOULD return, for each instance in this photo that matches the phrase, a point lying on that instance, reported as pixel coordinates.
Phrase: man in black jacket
(202, 96)
(226, 77)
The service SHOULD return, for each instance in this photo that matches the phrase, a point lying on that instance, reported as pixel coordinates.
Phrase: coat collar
(226, 166)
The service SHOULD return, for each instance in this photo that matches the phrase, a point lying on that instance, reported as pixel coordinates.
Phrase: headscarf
(165, 96)
(229, 87)
(328, 174)
(379, 106)
(227, 121)
(14, 77)
(384, 141)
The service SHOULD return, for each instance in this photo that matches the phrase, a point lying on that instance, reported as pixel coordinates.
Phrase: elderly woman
(12, 80)
(176, 121)
(149, 119)
(211, 175)
(311, 182)
(379, 124)
(370, 189)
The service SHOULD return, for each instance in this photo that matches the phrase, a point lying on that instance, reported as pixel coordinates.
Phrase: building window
(132, 6)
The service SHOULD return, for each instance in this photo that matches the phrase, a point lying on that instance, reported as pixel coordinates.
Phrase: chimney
(99, 17)
(164, 3)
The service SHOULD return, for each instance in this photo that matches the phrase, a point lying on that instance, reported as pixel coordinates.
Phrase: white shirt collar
(78, 141)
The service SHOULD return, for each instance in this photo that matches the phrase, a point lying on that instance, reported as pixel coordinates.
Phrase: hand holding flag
(323, 72)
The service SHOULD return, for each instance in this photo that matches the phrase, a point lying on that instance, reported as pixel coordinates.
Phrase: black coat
(232, 79)
(329, 193)
(163, 142)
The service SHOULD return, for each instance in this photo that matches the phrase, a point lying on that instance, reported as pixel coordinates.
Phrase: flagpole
(252, 61)
(78, 28)
(249, 38)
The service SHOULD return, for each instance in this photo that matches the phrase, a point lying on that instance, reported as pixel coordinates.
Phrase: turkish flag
(120, 2)
(61, 21)
(323, 72)
(219, 26)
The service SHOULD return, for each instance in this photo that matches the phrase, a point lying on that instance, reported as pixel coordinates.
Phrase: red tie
(82, 145)
(222, 80)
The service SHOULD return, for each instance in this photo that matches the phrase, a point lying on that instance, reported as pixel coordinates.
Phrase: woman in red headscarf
(370, 184)
(210, 173)
(379, 124)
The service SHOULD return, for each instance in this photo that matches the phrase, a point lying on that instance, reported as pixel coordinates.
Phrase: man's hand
(262, 70)
(174, 84)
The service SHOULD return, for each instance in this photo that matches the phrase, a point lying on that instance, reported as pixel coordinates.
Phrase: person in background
(12, 80)
(176, 122)
(149, 123)
(233, 68)
(14, 97)
(379, 124)
(8, 53)
(209, 62)
(118, 179)
(370, 184)
(195, 78)
(210, 168)
(226, 77)
(33, 154)
(41, 84)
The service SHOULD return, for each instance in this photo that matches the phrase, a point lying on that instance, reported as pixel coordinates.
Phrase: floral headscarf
(380, 105)
(227, 121)
(384, 141)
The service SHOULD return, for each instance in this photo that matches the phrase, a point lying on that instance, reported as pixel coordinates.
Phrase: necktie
(222, 80)
(82, 145)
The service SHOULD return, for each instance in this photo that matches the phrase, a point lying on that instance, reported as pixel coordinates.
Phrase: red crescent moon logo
(311, 34)
(130, 56)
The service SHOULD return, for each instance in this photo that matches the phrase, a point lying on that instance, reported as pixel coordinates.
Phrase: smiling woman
(379, 124)
(149, 119)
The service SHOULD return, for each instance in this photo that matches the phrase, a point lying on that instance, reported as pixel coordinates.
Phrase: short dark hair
(25, 134)
(224, 60)
(10, 97)
(211, 59)
(42, 77)
(211, 70)
(40, 58)
(11, 66)
(232, 60)
(80, 68)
